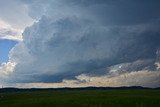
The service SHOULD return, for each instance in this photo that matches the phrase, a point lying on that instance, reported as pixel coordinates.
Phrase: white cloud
(7, 68)
(9, 32)
(158, 65)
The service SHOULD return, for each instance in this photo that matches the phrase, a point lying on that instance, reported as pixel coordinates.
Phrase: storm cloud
(89, 37)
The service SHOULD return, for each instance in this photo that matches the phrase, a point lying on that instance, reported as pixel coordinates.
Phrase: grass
(99, 98)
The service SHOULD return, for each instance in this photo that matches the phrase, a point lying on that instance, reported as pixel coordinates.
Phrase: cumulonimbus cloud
(93, 38)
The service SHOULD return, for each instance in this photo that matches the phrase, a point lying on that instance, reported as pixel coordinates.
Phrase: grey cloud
(134, 66)
(108, 12)
(87, 37)
(15, 13)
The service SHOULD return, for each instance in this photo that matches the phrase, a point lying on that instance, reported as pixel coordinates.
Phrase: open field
(92, 98)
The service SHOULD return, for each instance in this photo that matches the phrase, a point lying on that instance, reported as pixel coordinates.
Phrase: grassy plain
(90, 98)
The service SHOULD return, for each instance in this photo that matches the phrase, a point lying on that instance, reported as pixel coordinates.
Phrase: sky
(5, 47)
(79, 43)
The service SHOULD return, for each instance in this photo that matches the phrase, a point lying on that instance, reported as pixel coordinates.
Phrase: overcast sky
(79, 43)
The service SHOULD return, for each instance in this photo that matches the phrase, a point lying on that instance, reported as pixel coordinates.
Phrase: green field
(99, 98)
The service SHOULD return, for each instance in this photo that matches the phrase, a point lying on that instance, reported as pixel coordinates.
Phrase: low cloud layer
(114, 41)
(137, 78)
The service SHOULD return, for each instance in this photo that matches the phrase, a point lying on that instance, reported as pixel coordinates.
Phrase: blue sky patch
(5, 47)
